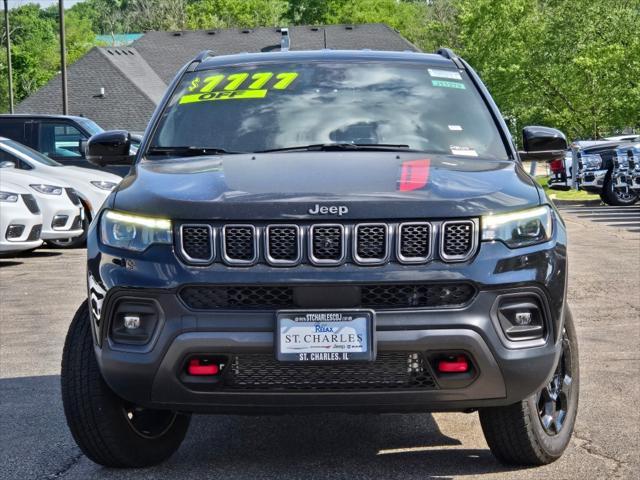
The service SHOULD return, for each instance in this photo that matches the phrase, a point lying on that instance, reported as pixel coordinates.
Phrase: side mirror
(543, 144)
(7, 164)
(110, 148)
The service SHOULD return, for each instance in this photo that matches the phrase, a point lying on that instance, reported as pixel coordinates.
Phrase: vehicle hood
(87, 174)
(281, 186)
(24, 178)
(12, 187)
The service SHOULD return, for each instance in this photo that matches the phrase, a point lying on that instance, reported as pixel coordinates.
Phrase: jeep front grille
(390, 370)
(283, 244)
(414, 244)
(239, 244)
(197, 243)
(379, 296)
(288, 245)
(458, 240)
(371, 243)
(31, 203)
(327, 244)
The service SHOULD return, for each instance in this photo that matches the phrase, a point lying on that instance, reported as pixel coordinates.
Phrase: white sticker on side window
(445, 74)
(463, 151)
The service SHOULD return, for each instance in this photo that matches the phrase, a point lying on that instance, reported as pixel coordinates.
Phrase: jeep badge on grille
(328, 210)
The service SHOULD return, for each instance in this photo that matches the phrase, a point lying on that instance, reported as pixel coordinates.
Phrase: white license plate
(325, 335)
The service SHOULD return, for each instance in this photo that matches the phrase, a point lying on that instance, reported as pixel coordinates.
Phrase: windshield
(252, 108)
(31, 153)
(90, 126)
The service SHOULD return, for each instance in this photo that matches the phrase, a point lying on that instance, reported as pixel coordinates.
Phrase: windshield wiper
(188, 151)
(328, 147)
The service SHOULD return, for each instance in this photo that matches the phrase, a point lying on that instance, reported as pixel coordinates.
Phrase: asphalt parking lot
(39, 293)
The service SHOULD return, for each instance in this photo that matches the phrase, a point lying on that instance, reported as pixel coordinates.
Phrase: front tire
(537, 430)
(109, 430)
(617, 197)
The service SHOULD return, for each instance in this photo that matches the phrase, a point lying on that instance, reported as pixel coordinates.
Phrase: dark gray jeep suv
(323, 231)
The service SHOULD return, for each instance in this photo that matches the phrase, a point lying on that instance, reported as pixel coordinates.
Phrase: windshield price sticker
(464, 151)
(227, 87)
(448, 84)
(445, 74)
(324, 336)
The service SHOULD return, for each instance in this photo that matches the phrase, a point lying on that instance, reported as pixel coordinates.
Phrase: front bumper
(592, 180)
(150, 374)
(61, 219)
(16, 213)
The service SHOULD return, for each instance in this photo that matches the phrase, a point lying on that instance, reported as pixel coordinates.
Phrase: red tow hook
(459, 364)
(197, 367)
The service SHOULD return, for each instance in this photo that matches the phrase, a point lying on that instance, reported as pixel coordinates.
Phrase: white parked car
(92, 186)
(62, 212)
(20, 219)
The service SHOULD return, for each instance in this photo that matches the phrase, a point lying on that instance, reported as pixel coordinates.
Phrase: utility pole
(6, 28)
(63, 60)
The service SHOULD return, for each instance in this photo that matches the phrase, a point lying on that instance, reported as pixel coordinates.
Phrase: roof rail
(285, 40)
(199, 58)
(204, 54)
(448, 53)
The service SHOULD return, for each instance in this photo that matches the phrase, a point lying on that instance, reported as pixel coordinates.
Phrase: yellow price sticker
(204, 90)
(221, 95)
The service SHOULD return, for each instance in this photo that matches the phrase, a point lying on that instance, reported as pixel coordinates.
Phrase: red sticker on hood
(414, 175)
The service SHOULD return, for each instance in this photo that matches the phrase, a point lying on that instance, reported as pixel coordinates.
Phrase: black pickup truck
(323, 231)
(61, 137)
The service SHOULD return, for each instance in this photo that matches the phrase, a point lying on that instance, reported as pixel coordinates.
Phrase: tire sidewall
(96, 415)
(612, 199)
(554, 445)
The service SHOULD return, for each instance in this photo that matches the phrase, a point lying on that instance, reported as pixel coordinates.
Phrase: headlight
(591, 162)
(46, 189)
(519, 229)
(8, 197)
(132, 232)
(103, 185)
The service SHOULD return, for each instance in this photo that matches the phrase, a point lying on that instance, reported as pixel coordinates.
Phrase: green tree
(202, 14)
(574, 65)
(35, 48)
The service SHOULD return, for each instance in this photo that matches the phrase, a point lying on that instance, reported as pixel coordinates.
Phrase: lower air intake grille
(247, 297)
(77, 223)
(239, 243)
(457, 239)
(34, 234)
(240, 297)
(408, 296)
(197, 242)
(390, 370)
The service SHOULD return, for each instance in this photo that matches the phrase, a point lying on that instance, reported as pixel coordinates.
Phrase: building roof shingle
(134, 78)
